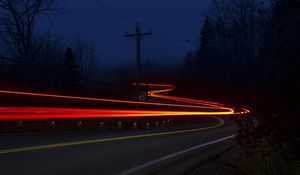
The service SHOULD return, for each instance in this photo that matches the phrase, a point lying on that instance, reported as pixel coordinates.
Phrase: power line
(97, 21)
(100, 4)
(131, 20)
(97, 2)
(173, 39)
(112, 11)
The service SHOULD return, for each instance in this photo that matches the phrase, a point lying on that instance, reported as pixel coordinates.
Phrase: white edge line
(134, 169)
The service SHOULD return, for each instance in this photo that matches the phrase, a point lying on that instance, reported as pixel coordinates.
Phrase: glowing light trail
(15, 113)
(33, 113)
(95, 99)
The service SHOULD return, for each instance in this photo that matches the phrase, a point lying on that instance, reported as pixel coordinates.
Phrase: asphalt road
(105, 153)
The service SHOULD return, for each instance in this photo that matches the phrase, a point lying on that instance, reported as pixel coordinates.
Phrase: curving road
(127, 152)
(119, 152)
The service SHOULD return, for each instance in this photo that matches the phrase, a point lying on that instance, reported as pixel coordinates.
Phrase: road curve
(125, 152)
(108, 153)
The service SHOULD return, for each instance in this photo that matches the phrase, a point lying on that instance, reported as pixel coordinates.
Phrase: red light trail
(195, 107)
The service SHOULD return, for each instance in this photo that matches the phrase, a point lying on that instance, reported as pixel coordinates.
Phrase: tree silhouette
(18, 20)
(71, 70)
(253, 51)
(207, 40)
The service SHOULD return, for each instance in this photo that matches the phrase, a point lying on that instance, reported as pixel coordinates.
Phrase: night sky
(176, 19)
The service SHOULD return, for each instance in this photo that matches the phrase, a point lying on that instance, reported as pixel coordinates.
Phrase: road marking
(66, 144)
(137, 168)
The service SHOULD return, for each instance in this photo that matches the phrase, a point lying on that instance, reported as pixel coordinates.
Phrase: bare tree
(17, 21)
(85, 58)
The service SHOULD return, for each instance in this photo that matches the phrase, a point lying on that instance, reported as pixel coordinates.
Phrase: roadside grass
(296, 170)
(263, 151)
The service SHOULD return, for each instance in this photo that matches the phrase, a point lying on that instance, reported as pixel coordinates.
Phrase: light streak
(192, 107)
(94, 99)
(24, 113)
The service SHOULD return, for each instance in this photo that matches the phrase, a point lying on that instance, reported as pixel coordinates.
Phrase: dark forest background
(249, 54)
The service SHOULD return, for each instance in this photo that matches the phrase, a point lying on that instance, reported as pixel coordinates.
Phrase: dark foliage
(251, 51)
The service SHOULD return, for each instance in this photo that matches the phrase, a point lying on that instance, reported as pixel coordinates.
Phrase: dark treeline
(250, 50)
(34, 58)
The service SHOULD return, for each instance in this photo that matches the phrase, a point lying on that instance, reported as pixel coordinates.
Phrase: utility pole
(138, 36)
(147, 78)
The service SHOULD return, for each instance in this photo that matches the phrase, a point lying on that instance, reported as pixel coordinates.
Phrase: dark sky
(178, 19)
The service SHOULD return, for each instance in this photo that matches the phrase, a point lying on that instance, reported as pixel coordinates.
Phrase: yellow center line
(66, 144)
